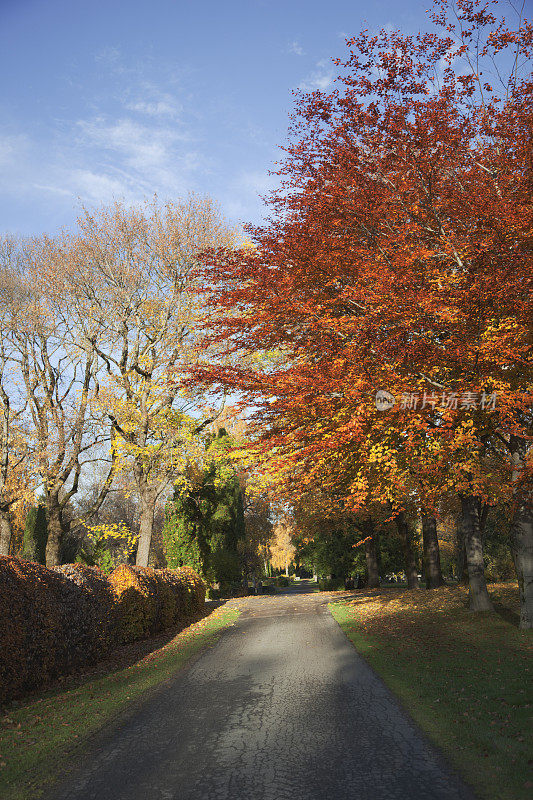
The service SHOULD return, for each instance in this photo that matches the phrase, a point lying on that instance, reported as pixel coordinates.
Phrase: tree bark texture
(477, 587)
(432, 566)
(146, 528)
(55, 531)
(5, 533)
(411, 572)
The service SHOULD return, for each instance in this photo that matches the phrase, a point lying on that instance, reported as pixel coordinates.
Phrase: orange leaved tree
(398, 257)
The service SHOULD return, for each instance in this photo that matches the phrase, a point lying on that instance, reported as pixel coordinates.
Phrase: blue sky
(124, 98)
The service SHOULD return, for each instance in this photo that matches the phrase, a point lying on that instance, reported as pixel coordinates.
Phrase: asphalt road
(281, 707)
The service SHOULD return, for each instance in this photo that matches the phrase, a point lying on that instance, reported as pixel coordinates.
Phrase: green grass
(465, 678)
(41, 738)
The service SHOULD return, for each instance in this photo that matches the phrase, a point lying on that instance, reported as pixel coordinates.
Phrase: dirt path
(281, 707)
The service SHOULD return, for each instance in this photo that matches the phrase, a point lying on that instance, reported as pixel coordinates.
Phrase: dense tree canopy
(398, 258)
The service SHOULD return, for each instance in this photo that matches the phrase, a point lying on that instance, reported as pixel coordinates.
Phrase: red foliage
(398, 257)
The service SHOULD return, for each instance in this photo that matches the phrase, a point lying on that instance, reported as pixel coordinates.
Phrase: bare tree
(57, 363)
(16, 480)
(129, 275)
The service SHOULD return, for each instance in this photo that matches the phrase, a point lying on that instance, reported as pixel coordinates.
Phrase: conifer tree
(35, 535)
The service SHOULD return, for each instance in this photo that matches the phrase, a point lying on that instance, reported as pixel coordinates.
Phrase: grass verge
(465, 678)
(40, 738)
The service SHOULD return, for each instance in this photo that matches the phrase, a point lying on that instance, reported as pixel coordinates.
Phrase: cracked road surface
(281, 707)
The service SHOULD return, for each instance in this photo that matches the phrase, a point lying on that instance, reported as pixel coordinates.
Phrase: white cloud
(99, 187)
(108, 55)
(142, 146)
(12, 149)
(153, 102)
(99, 158)
(157, 109)
(54, 189)
(236, 209)
(243, 199)
(141, 136)
(321, 78)
(296, 48)
(149, 157)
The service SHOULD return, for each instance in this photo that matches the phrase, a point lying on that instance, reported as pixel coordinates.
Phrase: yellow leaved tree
(129, 277)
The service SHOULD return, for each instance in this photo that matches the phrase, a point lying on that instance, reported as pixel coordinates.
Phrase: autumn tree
(128, 275)
(17, 474)
(56, 364)
(282, 547)
(382, 268)
(254, 548)
(118, 515)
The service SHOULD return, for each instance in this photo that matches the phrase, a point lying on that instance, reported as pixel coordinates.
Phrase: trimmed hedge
(139, 601)
(150, 600)
(95, 614)
(53, 621)
(35, 605)
(195, 586)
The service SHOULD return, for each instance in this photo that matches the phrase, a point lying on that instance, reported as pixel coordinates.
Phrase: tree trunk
(411, 572)
(432, 567)
(55, 531)
(5, 533)
(522, 538)
(461, 567)
(477, 588)
(522, 549)
(371, 557)
(146, 528)
(483, 514)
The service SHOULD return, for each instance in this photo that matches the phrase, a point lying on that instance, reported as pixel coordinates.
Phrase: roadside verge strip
(40, 737)
(462, 677)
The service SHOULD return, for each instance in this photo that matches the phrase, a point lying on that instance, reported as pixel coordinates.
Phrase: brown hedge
(151, 600)
(96, 612)
(195, 586)
(53, 621)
